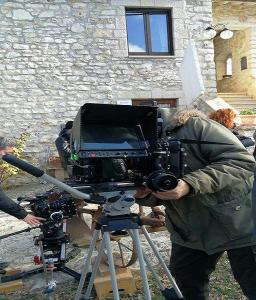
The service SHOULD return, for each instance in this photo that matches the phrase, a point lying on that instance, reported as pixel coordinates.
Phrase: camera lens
(159, 181)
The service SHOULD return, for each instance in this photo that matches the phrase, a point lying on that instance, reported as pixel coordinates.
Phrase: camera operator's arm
(144, 197)
(181, 190)
(8, 206)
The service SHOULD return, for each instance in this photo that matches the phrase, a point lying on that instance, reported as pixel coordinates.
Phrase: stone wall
(240, 18)
(237, 47)
(58, 54)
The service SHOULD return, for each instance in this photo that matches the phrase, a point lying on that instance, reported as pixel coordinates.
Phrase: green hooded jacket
(217, 213)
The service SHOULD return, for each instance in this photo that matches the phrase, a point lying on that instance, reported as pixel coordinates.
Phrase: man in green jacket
(210, 211)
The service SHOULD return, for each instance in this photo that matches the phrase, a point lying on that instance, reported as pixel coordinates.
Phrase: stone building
(58, 54)
(236, 58)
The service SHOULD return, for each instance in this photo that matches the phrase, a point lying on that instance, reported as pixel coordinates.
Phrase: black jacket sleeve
(245, 140)
(8, 206)
(63, 150)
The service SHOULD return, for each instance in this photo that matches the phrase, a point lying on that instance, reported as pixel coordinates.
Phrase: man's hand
(33, 220)
(181, 190)
(5, 150)
(142, 192)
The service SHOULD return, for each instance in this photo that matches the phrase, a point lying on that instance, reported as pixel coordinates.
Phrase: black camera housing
(120, 143)
(114, 131)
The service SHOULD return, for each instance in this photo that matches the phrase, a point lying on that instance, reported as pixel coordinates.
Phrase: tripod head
(118, 205)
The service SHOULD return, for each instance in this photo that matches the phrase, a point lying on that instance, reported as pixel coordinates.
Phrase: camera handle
(25, 166)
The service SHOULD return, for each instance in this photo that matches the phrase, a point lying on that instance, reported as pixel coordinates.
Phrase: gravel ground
(19, 251)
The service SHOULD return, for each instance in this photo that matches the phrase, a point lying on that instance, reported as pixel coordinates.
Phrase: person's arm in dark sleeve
(62, 145)
(150, 201)
(245, 140)
(63, 150)
(228, 165)
(8, 206)
(144, 197)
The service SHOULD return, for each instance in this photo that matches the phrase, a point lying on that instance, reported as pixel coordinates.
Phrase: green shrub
(7, 170)
(248, 111)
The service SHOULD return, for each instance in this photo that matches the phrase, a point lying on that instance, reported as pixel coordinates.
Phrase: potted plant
(248, 116)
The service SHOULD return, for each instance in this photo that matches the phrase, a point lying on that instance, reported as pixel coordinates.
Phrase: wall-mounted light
(226, 34)
(217, 30)
(210, 33)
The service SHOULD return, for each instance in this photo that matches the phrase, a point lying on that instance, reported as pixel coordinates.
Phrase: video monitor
(109, 127)
(97, 137)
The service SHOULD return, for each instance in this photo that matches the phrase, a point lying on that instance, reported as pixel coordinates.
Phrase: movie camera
(121, 143)
(55, 207)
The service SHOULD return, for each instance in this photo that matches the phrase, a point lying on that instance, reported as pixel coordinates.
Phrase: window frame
(228, 58)
(171, 102)
(146, 12)
(243, 63)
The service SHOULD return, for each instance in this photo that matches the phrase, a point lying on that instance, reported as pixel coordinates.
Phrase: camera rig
(121, 143)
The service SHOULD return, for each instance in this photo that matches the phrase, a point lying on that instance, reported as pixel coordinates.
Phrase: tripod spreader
(115, 223)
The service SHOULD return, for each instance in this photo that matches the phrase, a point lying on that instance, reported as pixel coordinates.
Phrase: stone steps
(241, 102)
(233, 94)
(238, 100)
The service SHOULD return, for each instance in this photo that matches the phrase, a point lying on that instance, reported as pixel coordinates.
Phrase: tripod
(132, 223)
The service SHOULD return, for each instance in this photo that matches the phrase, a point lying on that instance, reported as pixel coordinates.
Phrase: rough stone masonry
(58, 54)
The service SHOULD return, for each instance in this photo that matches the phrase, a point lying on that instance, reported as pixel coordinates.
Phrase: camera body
(49, 204)
(56, 207)
(121, 143)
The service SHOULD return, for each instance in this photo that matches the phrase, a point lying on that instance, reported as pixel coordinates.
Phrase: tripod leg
(162, 262)
(87, 264)
(111, 265)
(158, 281)
(40, 243)
(94, 270)
(135, 235)
(70, 272)
(20, 275)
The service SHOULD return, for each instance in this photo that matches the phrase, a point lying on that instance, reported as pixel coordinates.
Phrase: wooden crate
(54, 162)
(11, 286)
(58, 173)
(125, 282)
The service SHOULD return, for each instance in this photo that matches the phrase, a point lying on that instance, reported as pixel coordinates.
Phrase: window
(229, 66)
(166, 103)
(149, 32)
(244, 63)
